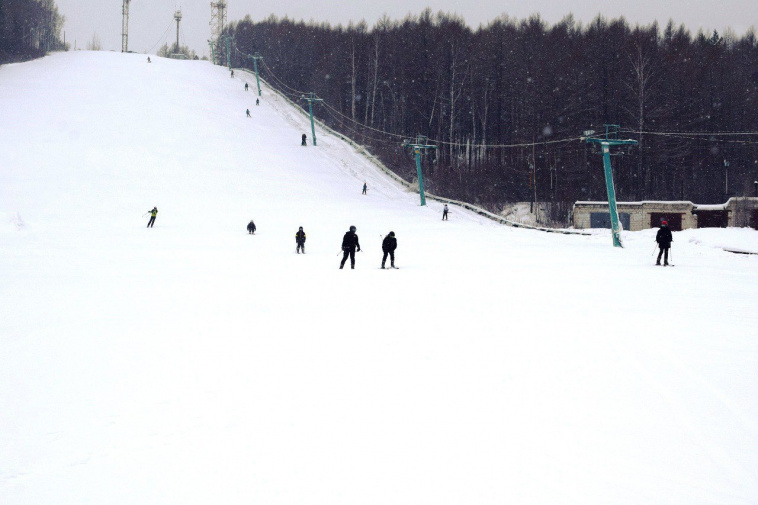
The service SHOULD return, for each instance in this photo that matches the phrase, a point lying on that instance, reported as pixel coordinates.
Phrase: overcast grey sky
(150, 19)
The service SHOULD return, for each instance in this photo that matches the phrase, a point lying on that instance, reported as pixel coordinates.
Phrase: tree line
(505, 104)
(29, 29)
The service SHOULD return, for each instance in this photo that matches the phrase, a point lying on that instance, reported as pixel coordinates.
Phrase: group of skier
(351, 244)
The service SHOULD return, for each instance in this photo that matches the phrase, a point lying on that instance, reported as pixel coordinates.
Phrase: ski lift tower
(419, 147)
(218, 20)
(611, 139)
(178, 18)
(125, 26)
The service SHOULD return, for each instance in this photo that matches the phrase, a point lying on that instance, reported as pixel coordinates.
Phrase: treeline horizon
(527, 84)
(29, 29)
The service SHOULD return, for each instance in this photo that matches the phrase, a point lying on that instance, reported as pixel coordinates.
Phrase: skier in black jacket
(251, 227)
(389, 244)
(300, 240)
(664, 239)
(349, 243)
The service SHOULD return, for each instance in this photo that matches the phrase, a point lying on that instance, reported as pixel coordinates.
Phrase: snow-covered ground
(193, 363)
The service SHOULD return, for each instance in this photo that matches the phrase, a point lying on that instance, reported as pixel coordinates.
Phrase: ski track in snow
(194, 363)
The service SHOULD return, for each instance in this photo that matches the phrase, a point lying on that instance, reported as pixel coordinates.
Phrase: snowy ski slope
(193, 363)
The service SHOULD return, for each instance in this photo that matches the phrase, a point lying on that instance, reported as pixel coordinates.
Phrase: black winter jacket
(300, 237)
(663, 237)
(251, 226)
(389, 244)
(350, 242)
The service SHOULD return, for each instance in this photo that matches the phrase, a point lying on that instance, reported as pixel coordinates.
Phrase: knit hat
(665, 222)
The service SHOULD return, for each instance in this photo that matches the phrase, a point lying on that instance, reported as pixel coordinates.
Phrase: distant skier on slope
(153, 213)
(148, 59)
(349, 243)
(365, 187)
(245, 86)
(257, 101)
(300, 240)
(444, 213)
(303, 142)
(251, 227)
(389, 244)
(232, 74)
(247, 111)
(664, 239)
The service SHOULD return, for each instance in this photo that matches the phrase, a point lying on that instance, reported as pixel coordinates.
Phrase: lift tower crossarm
(611, 139)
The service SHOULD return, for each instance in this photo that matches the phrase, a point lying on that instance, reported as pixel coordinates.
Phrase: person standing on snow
(389, 244)
(300, 240)
(364, 187)
(349, 243)
(245, 86)
(153, 213)
(664, 239)
(444, 213)
(251, 227)
(247, 111)
(257, 101)
(303, 142)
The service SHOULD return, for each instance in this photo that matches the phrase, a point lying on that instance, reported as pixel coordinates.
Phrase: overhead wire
(334, 112)
(163, 37)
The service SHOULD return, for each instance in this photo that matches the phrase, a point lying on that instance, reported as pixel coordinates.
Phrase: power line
(170, 24)
(695, 134)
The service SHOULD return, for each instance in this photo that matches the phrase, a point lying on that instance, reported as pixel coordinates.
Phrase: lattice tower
(218, 21)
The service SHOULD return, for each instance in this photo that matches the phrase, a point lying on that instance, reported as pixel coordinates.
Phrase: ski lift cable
(282, 82)
(357, 132)
(171, 23)
(361, 124)
(701, 136)
(454, 144)
(693, 134)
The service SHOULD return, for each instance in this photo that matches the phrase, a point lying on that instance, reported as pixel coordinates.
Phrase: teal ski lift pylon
(611, 139)
(417, 147)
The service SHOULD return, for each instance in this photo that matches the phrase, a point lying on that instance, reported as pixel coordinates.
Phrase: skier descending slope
(389, 244)
(153, 214)
(251, 227)
(349, 243)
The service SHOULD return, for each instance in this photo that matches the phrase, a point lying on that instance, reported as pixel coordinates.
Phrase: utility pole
(726, 180)
(532, 184)
(213, 52)
(310, 99)
(421, 144)
(125, 26)
(255, 58)
(611, 139)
